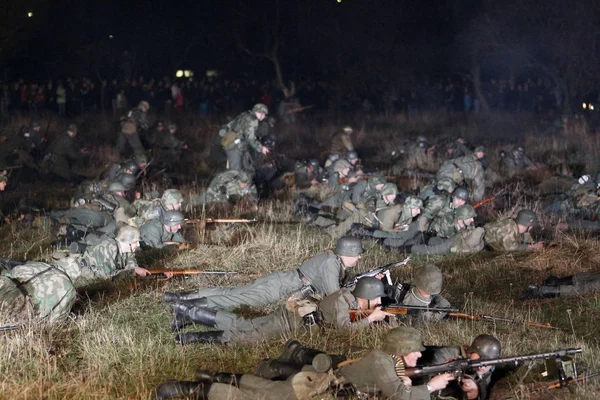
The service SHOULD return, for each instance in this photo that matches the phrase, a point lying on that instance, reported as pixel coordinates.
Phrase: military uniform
(513, 165)
(464, 241)
(238, 136)
(323, 272)
(582, 283)
(341, 142)
(300, 386)
(466, 171)
(104, 260)
(169, 148)
(504, 235)
(414, 298)
(135, 119)
(50, 290)
(26, 146)
(435, 355)
(155, 235)
(223, 187)
(62, 153)
(376, 373)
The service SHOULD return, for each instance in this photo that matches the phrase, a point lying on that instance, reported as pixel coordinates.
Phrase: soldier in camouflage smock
(131, 123)
(341, 142)
(226, 187)
(147, 209)
(465, 239)
(512, 234)
(110, 257)
(466, 171)
(517, 161)
(46, 288)
(240, 134)
(440, 209)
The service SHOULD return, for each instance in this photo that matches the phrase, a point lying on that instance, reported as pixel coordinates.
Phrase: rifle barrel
(189, 272)
(465, 364)
(483, 317)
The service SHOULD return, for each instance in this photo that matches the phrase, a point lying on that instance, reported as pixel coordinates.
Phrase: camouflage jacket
(245, 126)
(438, 206)
(504, 235)
(225, 185)
(105, 260)
(170, 142)
(340, 144)
(137, 117)
(468, 240)
(465, 171)
(444, 225)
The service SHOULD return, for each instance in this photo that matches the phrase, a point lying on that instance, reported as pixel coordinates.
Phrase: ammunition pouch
(129, 127)
(229, 140)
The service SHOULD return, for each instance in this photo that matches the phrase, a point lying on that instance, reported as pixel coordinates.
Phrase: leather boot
(187, 312)
(175, 297)
(540, 292)
(227, 378)
(173, 389)
(290, 347)
(276, 370)
(199, 337)
(324, 362)
(556, 281)
(361, 231)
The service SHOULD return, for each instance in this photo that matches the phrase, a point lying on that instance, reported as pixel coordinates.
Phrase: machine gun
(385, 270)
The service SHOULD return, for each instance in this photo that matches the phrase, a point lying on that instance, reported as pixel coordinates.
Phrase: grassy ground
(118, 344)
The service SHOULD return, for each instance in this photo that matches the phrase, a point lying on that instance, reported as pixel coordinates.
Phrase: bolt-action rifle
(385, 270)
(483, 317)
(400, 309)
(220, 221)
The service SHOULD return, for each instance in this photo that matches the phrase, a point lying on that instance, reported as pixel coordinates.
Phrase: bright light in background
(592, 107)
(30, 14)
(339, 1)
(110, 36)
(584, 106)
(188, 74)
(179, 74)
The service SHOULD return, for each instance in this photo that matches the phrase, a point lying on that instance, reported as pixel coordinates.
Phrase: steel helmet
(527, 218)
(349, 246)
(428, 278)
(402, 340)
(260, 108)
(487, 346)
(369, 288)
(461, 193)
(172, 218)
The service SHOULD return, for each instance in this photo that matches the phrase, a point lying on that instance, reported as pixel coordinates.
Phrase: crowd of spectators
(74, 96)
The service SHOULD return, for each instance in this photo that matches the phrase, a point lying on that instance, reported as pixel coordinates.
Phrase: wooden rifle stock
(189, 272)
(482, 317)
(484, 202)
(345, 180)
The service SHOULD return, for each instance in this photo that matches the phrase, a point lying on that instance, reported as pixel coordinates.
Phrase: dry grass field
(118, 344)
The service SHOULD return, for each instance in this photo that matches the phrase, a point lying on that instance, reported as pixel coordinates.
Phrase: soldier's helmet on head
(446, 184)
(520, 150)
(116, 187)
(348, 130)
(341, 165)
(128, 180)
(172, 127)
(72, 128)
(244, 177)
(461, 193)
(260, 108)
(369, 288)
(171, 197)
(413, 202)
(465, 212)
(487, 346)
(389, 189)
(313, 163)
(402, 340)
(128, 235)
(351, 155)
(527, 218)
(144, 105)
(172, 218)
(132, 166)
(349, 246)
(428, 278)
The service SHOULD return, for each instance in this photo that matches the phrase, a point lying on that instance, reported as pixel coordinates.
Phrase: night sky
(318, 38)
